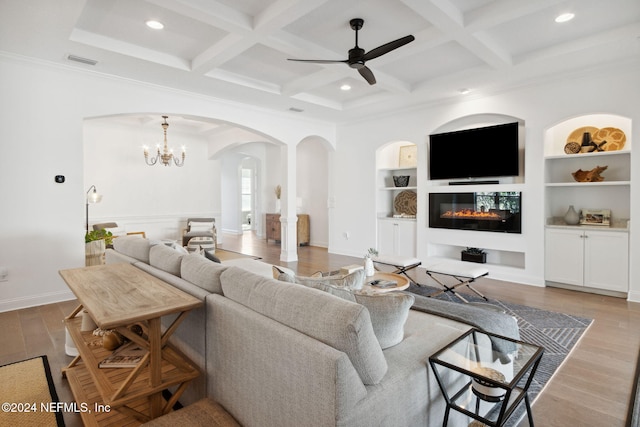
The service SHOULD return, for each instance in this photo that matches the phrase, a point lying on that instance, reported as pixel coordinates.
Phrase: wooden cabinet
(588, 258)
(274, 230)
(397, 237)
(272, 227)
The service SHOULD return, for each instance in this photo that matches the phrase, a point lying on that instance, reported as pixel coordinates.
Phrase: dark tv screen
(484, 152)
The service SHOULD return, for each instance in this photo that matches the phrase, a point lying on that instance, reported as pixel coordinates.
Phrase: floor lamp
(92, 197)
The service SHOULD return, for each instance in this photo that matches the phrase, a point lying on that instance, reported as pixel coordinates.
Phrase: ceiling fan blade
(386, 48)
(319, 61)
(367, 74)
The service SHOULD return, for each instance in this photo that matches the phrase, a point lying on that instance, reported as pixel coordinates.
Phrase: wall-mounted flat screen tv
(484, 152)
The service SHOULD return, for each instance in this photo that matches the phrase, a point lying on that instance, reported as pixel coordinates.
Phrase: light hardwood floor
(592, 388)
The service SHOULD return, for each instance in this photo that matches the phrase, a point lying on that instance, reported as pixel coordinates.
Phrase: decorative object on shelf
(612, 139)
(368, 262)
(166, 156)
(406, 202)
(408, 156)
(577, 134)
(595, 217)
(589, 139)
(278, 193)
(572, 217)
(401, 180)
(589, 176)
(474, 255)
(112, 340)
(572, 148)
(588, 146)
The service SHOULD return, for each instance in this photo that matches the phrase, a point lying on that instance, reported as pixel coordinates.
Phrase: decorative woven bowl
(401, 180)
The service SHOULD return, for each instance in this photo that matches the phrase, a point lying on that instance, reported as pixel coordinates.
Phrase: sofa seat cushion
(166, 259)
(202, 272)
(388, 311)
(134, 246)
(340, 324)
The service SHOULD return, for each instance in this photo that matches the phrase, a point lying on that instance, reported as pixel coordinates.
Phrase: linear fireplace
(481, 211)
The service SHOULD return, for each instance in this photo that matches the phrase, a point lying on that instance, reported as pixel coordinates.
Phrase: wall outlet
(346, 235)
(4, 274)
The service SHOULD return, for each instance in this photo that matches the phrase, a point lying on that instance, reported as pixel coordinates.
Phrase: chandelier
(166, 156)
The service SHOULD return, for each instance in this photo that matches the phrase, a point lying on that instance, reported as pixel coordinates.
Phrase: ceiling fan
(357, 55)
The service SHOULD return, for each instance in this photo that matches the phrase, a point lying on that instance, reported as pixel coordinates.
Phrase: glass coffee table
(485, 376)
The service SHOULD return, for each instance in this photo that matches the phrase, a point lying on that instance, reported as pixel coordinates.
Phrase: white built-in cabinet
(589, 257)
(396, 235)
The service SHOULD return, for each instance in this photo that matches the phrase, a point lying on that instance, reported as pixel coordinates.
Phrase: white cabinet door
(564, 256)
(386, 236)
(397, 237)
(406, 243)
(606, 260)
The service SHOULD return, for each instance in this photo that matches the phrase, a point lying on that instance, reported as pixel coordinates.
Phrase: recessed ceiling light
(345, 87)
(156, 25)
(565, 17)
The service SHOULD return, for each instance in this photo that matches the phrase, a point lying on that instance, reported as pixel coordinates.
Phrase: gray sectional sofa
(283, 354)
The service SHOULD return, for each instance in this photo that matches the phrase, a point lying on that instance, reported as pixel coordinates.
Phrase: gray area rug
(557, 333)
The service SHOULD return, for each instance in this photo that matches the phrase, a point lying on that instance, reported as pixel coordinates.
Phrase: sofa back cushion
(133, 246)
(341, 324)
(202, 272)
(166, 259)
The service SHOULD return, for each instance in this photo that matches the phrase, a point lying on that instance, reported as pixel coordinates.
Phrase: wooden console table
(274, 231)
(117, 296)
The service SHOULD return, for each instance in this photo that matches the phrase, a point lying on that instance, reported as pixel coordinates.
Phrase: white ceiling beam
(450, 20)
(501, 11)
(129, 49)
(282, 13)
(629, 32)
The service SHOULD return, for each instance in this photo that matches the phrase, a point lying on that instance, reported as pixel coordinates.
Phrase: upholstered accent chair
(200, 227)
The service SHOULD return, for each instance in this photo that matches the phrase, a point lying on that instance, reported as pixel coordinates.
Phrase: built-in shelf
(395, 234)
(606, 243)
(588, 184)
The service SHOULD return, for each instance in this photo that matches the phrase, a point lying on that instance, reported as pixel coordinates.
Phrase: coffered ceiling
(238, 49)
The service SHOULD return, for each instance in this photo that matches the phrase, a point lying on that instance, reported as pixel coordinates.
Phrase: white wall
(612, 91)
(154, 199)
(43, 112)
(312, 163)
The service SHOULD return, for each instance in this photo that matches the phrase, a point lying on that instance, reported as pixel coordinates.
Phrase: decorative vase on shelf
(572, 217)
(277, 205)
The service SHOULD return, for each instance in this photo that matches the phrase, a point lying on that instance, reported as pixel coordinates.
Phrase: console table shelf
(133, 394)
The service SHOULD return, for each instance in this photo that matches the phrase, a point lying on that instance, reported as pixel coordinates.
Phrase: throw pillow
(209, 255)
(389, 312)
(200, 226)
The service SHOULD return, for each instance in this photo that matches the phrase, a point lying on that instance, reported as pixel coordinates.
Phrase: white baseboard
(35, 300)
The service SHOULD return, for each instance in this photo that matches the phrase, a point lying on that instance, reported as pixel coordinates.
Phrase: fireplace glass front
(481, 211)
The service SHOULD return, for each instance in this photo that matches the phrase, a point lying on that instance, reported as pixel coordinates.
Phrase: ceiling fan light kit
(358, 57)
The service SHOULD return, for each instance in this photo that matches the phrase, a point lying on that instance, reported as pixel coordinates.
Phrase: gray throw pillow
(388, 312)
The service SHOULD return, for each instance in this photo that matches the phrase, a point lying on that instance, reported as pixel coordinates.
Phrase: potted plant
(474, 255)
(96, 242)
